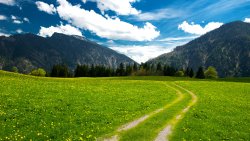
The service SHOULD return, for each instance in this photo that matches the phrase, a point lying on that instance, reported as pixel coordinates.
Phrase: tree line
(143, 69)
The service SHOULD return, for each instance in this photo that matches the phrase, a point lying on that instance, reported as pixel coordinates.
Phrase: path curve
(136, 122)
(167, 131)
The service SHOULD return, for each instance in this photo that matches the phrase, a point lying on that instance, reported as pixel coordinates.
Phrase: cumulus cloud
(8, 2)
(26, 19)
(84, 1)
(13, 17)
(173, 39)
(121, 7)
(2, 17)
(17, 22)
(106, 27)
(50, 9)
(4, 34)
(247, 20)
(159, 14)
(198, 29)
(142, 53)
(19, 31)
(65, 29)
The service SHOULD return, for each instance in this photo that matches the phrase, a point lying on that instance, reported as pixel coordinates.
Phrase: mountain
(226, 48)
(29, 51)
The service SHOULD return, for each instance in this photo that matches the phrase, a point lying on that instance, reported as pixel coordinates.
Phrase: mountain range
(29, 51)
(226, 48)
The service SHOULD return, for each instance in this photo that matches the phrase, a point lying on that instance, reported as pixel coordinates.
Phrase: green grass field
(33, 108)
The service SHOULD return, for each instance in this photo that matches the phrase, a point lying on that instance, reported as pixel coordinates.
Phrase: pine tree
(200, 73)
(191, 73)
(60, 71)
(120, 70)
(187, 71)
(159, 67)
(135, 67)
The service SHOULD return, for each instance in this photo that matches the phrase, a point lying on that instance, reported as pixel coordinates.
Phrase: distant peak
(79, 37)
(64, 35)
(58, 35)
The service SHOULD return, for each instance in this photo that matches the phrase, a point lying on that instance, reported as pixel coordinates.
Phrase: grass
(151, 128)
(222, 112)
(77, 109)
(88, 108)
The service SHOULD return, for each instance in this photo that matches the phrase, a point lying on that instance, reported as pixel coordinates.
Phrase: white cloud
(19, 31)
(142, 53)
(84, 1)
(13, 17)
(50, 9)
(159, 14)
(105, 27)
(4, 34)
(65, 29)
(247, 20)
(8, 2)
(121, 7)
(26, 19)
(17, 22)
(2, 17)
(173, 39)
(198, 29)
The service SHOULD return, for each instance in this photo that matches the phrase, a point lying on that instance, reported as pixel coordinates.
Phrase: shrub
(179, 74)
(14, 69)
(211, 72)
(38, 72)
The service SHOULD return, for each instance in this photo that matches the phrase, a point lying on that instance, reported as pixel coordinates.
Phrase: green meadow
(34, 108)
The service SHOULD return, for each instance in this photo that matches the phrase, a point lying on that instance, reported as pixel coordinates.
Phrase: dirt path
(167, 131)
(138, 121)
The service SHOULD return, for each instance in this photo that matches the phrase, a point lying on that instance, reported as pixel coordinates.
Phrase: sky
(140, 29)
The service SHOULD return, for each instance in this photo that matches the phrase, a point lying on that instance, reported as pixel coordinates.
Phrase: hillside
(29, 51)
(226, 48)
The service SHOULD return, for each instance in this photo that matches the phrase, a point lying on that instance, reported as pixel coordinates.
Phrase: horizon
(139, 29)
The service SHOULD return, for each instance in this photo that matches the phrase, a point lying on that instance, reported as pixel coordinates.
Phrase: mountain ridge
(226, 48)
(29, 51)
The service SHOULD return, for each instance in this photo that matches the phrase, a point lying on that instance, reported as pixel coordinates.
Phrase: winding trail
(164, 134)
(167, 131)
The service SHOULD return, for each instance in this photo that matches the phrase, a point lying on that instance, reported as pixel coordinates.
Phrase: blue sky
(140, 29)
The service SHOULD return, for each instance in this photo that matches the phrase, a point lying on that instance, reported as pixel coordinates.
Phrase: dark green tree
(200, 73)
(135, 67)
(92, 72)
(159, 67)
(60, 71)
(129, 70)
(187, 71)
(82, 71)
(169, 71)
(191, 73)
(121, 70)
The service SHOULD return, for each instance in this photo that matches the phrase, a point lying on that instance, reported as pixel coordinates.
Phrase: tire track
(167, 131)
(140, 120)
